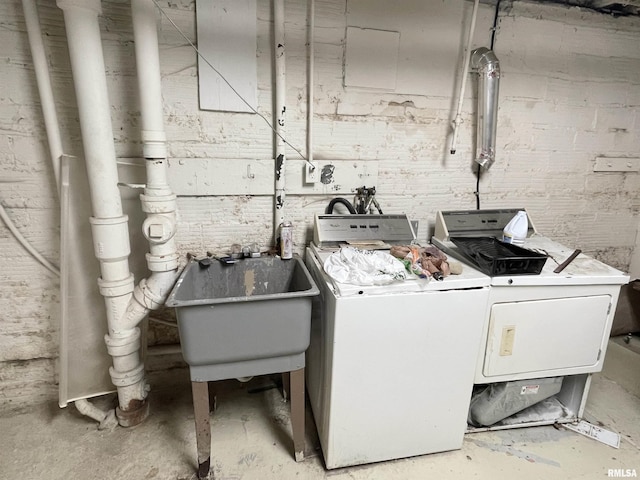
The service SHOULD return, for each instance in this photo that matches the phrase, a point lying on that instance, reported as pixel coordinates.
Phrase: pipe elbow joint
(483, 57)
(486, 63)
(151, 293)
(147, 297)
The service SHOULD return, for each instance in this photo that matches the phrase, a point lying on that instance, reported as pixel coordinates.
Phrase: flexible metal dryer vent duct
(486, 63)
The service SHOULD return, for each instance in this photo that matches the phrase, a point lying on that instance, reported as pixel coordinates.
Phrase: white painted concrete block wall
(29, 294)
(570, 92)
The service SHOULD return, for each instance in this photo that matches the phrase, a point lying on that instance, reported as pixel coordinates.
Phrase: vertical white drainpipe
(50, 117)
(463, 81)
(108, 224)
(44, 86)
(158, 201)
(280, 110)
(311, 81)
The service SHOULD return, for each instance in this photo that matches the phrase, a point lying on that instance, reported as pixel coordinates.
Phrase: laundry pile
(425, 262)
(374, 267)
(364, 267)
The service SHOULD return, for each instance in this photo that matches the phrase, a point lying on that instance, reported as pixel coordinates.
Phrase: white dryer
(536, 326)
(390, 368)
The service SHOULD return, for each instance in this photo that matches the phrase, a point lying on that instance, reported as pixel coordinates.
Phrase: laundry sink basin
(248, 318)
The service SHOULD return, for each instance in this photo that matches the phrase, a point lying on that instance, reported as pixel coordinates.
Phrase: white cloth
(364, 267)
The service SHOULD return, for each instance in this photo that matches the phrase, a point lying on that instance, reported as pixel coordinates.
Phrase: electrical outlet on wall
(311, 173)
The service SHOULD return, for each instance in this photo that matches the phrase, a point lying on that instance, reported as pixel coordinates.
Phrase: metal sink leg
(296, 394)
(200, 391)
(201, 408)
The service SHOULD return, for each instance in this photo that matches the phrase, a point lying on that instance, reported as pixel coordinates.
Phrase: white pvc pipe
(52, 127)
(465, 73)
(108, 225)
(126, 306)
(311, 81)
(145, 35)
(106, 419)
(87, 61)
(158, 201)
(44, 86)
(280, 110)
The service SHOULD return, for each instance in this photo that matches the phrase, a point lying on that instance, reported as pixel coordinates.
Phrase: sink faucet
(252, 250)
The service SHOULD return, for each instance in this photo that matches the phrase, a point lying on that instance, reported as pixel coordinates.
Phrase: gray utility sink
(248, 318)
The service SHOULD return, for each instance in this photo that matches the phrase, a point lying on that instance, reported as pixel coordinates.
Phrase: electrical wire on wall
(25, 243)
(494, 28)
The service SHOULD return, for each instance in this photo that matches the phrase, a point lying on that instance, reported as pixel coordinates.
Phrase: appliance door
(537, 336)
(401, 376)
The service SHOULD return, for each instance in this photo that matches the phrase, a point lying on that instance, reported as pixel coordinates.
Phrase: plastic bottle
(516, 230)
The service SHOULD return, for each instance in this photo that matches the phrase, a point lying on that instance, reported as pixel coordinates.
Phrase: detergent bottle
(516, 230)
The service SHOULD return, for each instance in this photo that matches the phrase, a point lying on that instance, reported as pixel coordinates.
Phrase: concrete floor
(252, 440)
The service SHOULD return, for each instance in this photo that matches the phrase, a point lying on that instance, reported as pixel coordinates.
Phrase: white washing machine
(390, 368)
(537, 326)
